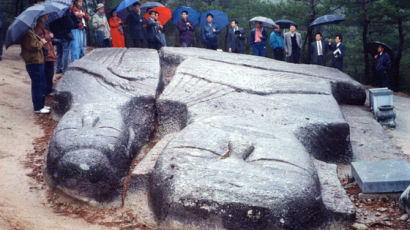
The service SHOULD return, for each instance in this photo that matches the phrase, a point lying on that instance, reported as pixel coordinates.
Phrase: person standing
(186, 30)
(210, 33)
(153, 27)
(339, 50)
(102, 28)
(50, 55)
(79, 43)
(236, 37)
(258, 40)
(383, 64)
(117, 30)
(135, 22)
(1, 33)
(276, 43)
(318, 49)
(32, 53)
(293, 45)
(61, 29)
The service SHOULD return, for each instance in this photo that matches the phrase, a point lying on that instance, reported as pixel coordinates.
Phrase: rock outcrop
(251, 145)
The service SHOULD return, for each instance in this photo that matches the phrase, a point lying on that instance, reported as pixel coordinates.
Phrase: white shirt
(338, 44)
(319, 48)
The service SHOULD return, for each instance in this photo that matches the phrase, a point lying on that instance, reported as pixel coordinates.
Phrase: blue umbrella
(285, 24)
(220, 18)
(65, 2)
(54, 10)
(193, 15)
(326, 19)
(125, 4)
(23, 23)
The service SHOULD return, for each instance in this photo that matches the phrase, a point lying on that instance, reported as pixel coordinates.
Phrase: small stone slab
(382, 176)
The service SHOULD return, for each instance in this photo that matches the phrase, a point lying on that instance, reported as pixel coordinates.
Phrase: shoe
(47, 107)
(42, 111)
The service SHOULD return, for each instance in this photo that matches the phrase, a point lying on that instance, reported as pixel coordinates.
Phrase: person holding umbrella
(210, 32)
(102, 28)
(79, 43)
(32, 53)
(136, 30)
(50, 55)
(236, 37)
(276, 43)
(339, 51)
(258, 40)
(383, 64)
(293, 45)
(153, 31)
(186, 30)
(117, 30)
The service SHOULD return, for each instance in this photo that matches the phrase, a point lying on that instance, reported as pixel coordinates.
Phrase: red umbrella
(164, 14)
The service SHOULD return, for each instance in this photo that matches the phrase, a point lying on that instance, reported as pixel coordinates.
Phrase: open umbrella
(220, 18)
(326, 19)
(23, 23)
(371, 48)
(150, 5)
(125, 4)
(193, 15)
(164, 14)
(285, 24)
(65, 2)
(266, 22)
(55, 10)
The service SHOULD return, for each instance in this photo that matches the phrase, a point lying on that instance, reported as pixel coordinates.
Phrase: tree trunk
(397, 59)
(365, 41)
(309, 34)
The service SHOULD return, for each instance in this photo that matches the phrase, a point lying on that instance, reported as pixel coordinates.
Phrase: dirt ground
(27, 203)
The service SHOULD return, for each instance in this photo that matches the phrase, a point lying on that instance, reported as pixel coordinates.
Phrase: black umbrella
(371, 48)
(327, 19)
(285, 24)
(150, 5)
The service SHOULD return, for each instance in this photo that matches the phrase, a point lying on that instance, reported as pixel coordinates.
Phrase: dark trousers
(212, 44)
(1, 48)
(101, 41)
(154, 45)
(278, 54)
(338, 64)
(383, 78)
(49, 74)
(38, 84)
(63, 55)
(184, 44)
(137, 43)
(320, 60)
(259, 49)
(294, 58)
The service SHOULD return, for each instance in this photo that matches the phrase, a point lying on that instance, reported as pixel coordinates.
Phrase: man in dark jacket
(318, 49)
(153, 30)
(210, 33)
(136, 30)
(236, 37)
(61, 29)
(339, 51)
(383, 64)
(186, 30)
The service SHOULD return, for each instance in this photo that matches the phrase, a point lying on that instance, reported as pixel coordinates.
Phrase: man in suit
(210, 33)
(383, 64)
(339, 51)
(236, 37)
(293, 44)
(136, 30)
(318, 50)
(153, 30)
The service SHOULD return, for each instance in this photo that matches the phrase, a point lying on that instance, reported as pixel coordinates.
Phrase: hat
(99, 6)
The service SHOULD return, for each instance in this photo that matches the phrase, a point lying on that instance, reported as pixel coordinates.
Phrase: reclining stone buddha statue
(252, 136)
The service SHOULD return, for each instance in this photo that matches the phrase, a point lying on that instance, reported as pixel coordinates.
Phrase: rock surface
(405, 200)
(248, 139)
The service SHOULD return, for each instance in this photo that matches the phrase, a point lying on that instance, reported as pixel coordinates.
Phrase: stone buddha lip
(252, 138)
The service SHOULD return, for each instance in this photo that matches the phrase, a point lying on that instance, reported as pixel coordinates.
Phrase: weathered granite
(404, 200)
(245, 136)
